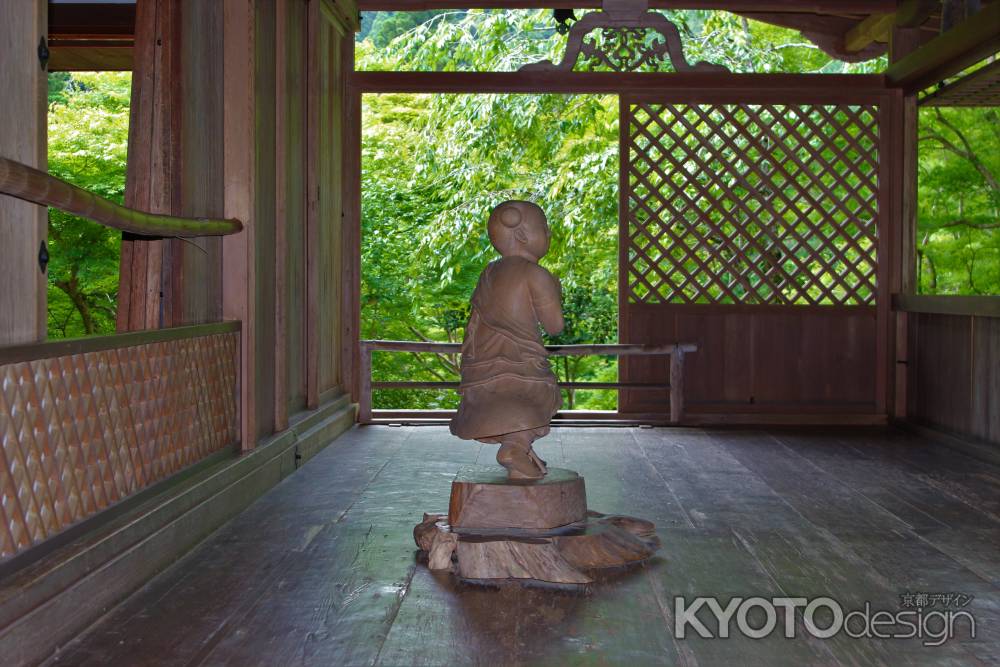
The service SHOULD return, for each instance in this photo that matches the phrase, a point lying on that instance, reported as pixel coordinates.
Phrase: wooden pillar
(314, 102)
(238, 250)
(351, 362)
(145, 278)
(904, 41)
(23, 226)
(281, 221)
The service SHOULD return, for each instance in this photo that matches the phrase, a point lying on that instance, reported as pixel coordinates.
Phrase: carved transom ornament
(623, 37)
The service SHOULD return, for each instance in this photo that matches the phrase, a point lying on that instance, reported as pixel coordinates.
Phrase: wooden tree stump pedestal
(530, 531)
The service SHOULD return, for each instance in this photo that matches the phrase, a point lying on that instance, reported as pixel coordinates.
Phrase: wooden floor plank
(204, 596)
(323, 570)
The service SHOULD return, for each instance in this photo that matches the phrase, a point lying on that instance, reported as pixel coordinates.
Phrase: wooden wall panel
(23, 138)
(329, 256)
(986, 378)
(239, 278)
(265, 79)
(954, 373)
(198, 280)
(758, 359)
(295, 179)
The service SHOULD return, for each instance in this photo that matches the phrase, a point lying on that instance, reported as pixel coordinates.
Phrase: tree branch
(973, 225)
(969, 154)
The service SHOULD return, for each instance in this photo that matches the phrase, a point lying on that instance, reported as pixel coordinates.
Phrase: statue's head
(519, 228)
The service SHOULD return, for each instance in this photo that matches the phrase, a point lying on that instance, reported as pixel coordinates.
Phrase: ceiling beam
(877, 27)
(975, 39)
(792, 6)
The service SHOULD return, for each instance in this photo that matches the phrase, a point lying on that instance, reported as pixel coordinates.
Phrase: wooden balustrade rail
(676, 351)
(24, 182)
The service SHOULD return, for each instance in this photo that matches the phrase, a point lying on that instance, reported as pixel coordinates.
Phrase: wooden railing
(947, 304)
(676, 352)
(24, 182)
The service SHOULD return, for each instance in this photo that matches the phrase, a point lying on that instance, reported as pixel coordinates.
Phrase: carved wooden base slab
(483, 498)
(490, 546)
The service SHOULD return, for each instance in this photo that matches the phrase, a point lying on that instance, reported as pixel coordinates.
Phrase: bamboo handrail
(676, 351)
(37, 187)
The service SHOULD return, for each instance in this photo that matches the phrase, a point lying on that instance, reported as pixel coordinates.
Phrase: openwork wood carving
(751, 203)
(623, 37)
(79, 433)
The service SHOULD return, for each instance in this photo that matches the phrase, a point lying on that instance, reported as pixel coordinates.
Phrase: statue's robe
(507, 384)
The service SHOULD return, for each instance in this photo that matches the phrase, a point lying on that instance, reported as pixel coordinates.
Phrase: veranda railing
(675, 387)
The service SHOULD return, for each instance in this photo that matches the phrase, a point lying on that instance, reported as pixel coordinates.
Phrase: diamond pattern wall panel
(84, 431)
(752, 203)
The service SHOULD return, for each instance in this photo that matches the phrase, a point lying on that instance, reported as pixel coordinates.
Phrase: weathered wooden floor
(322, 570)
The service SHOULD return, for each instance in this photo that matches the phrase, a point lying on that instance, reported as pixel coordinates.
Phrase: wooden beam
(91, 19)
(87, 58)
(981, 88)
(878, 27)
(23, 227)
(875, 28)
(947, 304)
(976, 38)
(838, 85)
(807, 6)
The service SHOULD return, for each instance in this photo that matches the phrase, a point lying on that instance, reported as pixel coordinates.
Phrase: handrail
(64, 347)
(37, 187)
(947, 304)
(676, 351)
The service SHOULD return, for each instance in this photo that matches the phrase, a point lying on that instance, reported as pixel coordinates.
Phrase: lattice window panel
(81, 432)
(752, 203)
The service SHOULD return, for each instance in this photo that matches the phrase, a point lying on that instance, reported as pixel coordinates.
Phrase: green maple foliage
(88, 145)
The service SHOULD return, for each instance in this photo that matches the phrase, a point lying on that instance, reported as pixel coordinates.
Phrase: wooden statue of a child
(509, 393)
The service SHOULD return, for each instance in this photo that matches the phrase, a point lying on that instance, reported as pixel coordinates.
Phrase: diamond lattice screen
(752, 203)
(82, 432)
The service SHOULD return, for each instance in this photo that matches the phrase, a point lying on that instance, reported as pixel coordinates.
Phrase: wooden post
(238, 251)
(23, 226)
(903, 42)
(677, 384)
(145, 275)
(280, 217)
(365, 391)
(353, 375)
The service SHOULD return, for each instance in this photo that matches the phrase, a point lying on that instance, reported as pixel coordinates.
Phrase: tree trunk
(71, 288)
(569, 378)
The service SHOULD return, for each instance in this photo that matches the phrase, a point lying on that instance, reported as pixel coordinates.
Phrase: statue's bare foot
(537, 460)
(520, 464)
